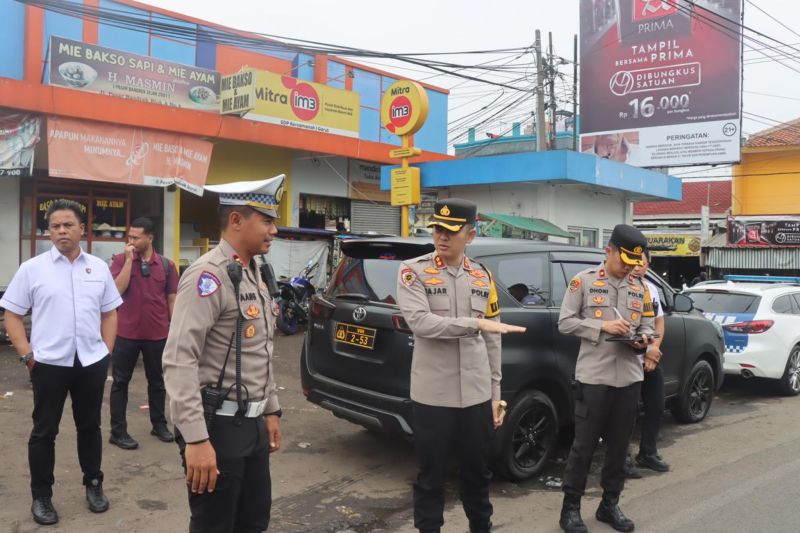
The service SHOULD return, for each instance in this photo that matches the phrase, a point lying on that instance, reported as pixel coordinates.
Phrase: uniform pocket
(479, 305)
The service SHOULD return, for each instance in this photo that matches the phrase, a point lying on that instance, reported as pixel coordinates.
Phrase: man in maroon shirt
(148, 284)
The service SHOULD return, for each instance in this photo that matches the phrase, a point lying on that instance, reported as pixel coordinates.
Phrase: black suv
(356, 358)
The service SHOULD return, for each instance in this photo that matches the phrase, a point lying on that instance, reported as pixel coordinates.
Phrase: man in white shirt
(652, 387)
(74, 323)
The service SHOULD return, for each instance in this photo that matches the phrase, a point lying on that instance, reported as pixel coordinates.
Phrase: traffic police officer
(602, 303)
(227, 414)
(450, 304)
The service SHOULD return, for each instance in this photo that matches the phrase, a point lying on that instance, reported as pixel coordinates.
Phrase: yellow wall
(764, 194)
(237, 161)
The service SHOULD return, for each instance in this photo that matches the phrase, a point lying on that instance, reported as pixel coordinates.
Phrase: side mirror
(682, 304)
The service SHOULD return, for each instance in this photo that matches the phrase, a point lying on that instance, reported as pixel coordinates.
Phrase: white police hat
(263, 195)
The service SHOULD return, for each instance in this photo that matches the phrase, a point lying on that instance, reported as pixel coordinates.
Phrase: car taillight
(321, 308)
(755, 326)
(400, 324)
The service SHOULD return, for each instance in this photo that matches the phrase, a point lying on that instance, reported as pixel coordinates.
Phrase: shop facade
(158, 85)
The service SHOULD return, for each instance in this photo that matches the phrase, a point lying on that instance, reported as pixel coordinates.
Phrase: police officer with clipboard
(218, 367)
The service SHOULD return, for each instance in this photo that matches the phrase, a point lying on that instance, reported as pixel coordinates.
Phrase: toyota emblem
(359, 314)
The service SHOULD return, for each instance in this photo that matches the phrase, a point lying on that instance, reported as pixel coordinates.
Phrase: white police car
(760, 317)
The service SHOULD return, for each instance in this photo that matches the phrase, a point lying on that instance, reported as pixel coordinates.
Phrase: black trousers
(607, 412)
(653, 400)
(123, 363)
(242, 499)
(51, 384)
(436, 431)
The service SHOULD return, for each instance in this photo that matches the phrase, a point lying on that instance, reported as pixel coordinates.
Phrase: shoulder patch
(207, 284)
(408, 277)
(574, 284)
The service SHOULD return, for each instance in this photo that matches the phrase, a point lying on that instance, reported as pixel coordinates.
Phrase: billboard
(764, 231)
(661, 81)
(19, 135)
(92, 68)
(673, 245)
(269, 97)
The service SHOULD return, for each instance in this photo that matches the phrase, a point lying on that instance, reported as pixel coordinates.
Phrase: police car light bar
(762, 279)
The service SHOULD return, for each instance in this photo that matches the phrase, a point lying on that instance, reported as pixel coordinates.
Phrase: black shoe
(124, 441)
(630, 470)
(571, 520)
(162, 433)
(480, 528)
(609, 512)
(653, 461)
(98, 503)
(43, 511)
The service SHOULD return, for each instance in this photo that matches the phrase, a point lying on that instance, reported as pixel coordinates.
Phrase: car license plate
(355, 335)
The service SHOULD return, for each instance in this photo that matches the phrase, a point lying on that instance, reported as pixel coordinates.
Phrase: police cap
(264, 195)
(631, 243)
(453, 213)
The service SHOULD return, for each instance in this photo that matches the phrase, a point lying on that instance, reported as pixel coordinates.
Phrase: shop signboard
(405, 186)
(238, 92)
(764, 231)
(19, 135)
(365, 181)
(287, 101)
(121, 154)
(661, 81)
(673, 245)
(92, 68)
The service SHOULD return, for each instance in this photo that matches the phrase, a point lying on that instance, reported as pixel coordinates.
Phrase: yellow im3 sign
(404, 107)
(405, 186)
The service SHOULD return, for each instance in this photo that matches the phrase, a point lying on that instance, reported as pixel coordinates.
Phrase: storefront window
(323, 212)
(105, 211)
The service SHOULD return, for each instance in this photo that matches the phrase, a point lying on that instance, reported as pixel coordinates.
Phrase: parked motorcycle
(295, 298)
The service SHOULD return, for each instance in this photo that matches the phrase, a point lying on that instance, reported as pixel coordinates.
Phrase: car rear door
(673, 345)
(356, 333)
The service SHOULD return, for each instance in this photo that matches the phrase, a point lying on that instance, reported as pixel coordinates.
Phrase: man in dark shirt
(148, 284)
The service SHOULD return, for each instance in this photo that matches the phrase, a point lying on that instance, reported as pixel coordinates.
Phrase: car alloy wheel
(699, 394)
(528, 437)
(790, 382)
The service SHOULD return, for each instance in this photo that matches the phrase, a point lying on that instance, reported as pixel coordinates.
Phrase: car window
(562, 273)
(374, 278)
(724, 302)
(796, 298)
(783, 305)
(525, 276)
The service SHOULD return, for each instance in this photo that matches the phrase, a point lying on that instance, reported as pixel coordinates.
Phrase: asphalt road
(737, 471)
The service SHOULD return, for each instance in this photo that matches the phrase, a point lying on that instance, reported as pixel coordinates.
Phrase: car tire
(528, 437)
(694, 401)
(789, 384)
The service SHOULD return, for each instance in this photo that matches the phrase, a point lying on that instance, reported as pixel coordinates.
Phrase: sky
(460, 25)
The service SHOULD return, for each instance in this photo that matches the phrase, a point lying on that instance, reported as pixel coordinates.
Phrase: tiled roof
(715, 194)
(787, 134)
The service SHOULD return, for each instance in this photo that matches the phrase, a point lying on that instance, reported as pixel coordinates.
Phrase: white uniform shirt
(67, 299)
(655, 298)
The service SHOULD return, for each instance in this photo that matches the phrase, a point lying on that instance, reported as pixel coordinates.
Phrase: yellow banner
(678, 245)
(287, 101)
(405, 186)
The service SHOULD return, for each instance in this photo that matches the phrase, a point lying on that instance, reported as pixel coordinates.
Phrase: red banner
(121, 154)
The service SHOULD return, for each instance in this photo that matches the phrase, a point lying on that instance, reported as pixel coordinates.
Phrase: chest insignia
(480, 274)
(88, 270)
(431, 270)
(599, 300)
(207, 284)
(479, 283)
(636, 304)
(634, 316)
(598, 313)
(252, 311)
(433, 281)
(250, 331)
(599, 283)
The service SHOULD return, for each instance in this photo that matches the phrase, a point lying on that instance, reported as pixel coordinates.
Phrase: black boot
(43, 511)
(609, 512)
(98, 503)
(571, 520)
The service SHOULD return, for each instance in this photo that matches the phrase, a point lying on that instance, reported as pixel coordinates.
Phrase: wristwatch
(278, 413)
(25, 359)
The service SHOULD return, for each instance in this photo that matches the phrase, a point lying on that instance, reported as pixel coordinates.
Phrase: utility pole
(551, 72)
(540, 131)
(575, 94)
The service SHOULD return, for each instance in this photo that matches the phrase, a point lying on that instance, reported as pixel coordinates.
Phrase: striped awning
(754, 258)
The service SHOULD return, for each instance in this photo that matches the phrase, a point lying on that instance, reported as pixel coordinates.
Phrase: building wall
(318, 175)
(767, 183)
(565, 205)
(9, 237)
